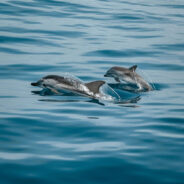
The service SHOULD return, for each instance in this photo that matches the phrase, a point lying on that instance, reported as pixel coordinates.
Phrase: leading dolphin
(58, 84)
(130, 76)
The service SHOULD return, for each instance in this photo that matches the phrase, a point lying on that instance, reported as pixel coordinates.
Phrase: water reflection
(125, 99)
(63, 101)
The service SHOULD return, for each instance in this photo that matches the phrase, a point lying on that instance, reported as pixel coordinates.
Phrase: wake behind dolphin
(135, 81)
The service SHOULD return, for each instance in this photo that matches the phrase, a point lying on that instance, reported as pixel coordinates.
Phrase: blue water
(72, 139)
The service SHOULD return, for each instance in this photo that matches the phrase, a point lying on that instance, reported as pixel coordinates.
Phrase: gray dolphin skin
(58, 84)
(129, 76)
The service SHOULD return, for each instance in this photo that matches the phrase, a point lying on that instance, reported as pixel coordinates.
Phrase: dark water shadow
(64, 101)
(123, 101)
(47, 92)
(160, 86)
(129, 102)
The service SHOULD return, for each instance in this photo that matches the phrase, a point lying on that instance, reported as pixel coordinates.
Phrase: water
(73, 139)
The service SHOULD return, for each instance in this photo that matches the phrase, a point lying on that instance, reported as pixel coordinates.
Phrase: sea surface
(53, 139)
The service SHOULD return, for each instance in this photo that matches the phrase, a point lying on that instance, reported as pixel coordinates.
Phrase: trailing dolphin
(129, 76)
(59, 84)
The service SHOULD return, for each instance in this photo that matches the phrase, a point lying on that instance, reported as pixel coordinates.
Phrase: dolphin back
(94, 86)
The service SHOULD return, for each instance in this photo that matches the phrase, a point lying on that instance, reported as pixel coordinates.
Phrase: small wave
(118, 53)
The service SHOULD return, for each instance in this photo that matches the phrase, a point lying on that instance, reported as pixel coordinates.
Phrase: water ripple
(48, 138)
(32, 41)
(59, 33)
(118, 53)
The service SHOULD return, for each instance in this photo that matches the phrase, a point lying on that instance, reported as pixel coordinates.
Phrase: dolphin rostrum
(59, 84)
(129, 76)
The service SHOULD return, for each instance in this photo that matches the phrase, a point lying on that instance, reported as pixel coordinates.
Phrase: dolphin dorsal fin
(133, 68)
(94, 86)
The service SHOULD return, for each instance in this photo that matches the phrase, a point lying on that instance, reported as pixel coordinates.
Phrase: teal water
(71, 139)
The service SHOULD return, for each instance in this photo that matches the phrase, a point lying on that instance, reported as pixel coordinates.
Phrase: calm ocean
(72, 139)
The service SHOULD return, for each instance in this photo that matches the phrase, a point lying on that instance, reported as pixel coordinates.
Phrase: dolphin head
(39, 83)
(125, 74)
(49, 80)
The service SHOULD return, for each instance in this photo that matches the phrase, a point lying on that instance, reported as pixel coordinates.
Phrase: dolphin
(59, 84)
(129, 76)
